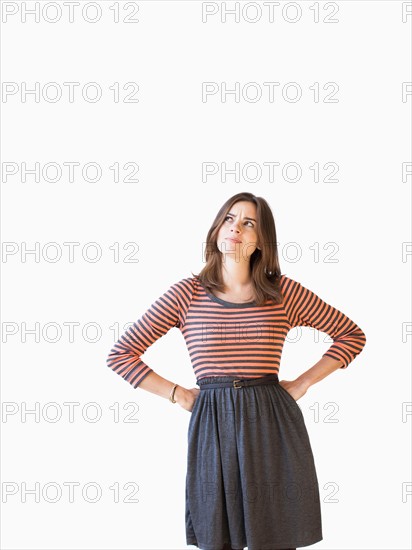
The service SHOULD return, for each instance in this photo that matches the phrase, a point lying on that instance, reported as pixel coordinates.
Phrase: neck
(236, 275)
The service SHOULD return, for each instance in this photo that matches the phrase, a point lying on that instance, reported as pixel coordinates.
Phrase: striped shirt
(228, 339)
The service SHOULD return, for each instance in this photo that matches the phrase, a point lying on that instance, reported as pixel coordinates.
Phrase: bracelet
(172, 394)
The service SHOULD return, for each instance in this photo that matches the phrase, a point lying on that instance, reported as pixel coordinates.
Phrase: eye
(247, 221)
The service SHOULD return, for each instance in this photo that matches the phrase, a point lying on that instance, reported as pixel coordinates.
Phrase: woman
(251, 478)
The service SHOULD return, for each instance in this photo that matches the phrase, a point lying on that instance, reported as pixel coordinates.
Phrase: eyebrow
(246, 218)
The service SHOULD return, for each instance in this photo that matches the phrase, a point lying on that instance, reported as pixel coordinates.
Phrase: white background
(362, 459)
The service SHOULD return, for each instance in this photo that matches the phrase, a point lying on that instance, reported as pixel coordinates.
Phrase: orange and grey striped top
(228, 339)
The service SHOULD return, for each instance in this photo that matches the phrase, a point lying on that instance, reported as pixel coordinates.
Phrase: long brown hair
(264, 263)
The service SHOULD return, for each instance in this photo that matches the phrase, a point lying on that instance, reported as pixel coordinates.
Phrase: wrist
(304, 383)
(180, 394)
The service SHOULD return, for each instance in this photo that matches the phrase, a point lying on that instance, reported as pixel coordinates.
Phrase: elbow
(362, 339)
(111, 359)
(127, 365)
(117, 361)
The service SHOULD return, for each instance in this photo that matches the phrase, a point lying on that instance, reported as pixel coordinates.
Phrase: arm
(154, 383)
(305, 308)
(325, 366)
(125, 357)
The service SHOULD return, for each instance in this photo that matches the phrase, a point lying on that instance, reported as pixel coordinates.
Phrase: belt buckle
(234, 384)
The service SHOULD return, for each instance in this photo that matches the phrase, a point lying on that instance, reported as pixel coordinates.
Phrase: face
(239, 225)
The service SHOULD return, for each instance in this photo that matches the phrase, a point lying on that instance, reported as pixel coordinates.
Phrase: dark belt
(241, 382)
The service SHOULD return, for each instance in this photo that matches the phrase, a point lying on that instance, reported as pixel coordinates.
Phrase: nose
(235, 227)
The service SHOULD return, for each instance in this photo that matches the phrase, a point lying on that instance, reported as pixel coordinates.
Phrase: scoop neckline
(225, 302)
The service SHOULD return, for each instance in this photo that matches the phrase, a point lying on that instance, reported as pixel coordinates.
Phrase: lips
(233, 240)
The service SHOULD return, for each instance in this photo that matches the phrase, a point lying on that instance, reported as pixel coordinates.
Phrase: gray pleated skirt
(251, 479)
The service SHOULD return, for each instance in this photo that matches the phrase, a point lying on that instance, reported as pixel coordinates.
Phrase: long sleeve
(304, 308)
(165, 313)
